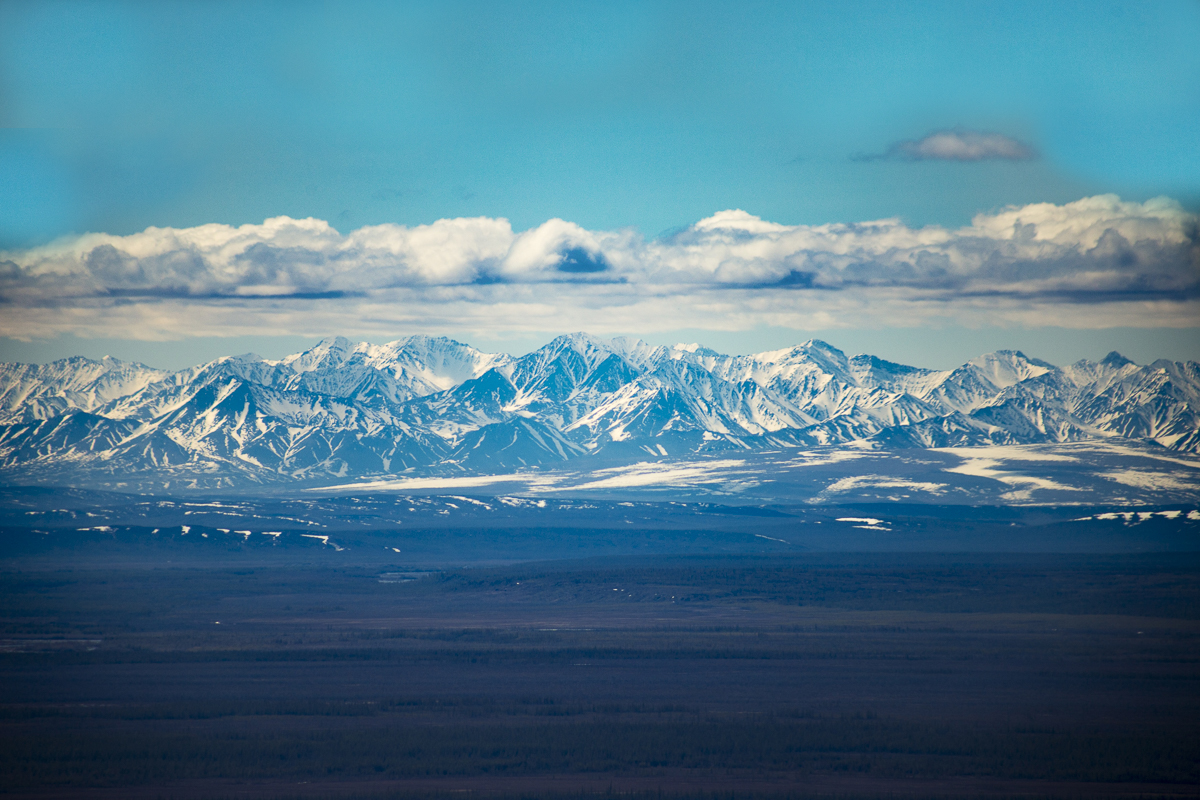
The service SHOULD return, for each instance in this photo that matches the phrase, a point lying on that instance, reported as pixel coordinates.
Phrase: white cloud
(962, 145)
(1096, 262)
(447, 251)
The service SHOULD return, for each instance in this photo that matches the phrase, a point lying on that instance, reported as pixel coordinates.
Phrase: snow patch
(1147, 479)
(986, 462)
(657, 474)
(324, 540)
(858, 482)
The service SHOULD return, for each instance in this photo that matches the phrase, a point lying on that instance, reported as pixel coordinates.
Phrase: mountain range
(424, 405)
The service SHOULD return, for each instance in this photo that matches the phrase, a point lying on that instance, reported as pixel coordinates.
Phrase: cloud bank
(1092, 263)
(959, 144)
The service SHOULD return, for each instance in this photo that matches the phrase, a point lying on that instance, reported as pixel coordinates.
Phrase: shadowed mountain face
(347, 410)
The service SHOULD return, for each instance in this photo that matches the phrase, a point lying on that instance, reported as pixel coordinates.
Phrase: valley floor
(864, 675)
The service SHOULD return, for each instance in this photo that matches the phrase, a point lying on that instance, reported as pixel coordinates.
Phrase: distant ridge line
(345, 409)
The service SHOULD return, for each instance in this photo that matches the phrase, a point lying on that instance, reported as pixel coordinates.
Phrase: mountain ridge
(345, 409)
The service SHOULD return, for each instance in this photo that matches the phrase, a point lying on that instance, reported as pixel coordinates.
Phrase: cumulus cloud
(1096, 262)
(959, 144)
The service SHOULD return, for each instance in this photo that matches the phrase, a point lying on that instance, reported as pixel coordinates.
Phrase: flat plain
(772, 675)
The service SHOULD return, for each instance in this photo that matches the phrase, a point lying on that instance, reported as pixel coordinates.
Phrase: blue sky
(645, 117)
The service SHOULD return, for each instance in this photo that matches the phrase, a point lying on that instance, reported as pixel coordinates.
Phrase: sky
(924, 181)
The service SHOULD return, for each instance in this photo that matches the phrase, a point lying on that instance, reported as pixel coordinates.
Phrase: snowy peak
(329, 353)
(696, 349)
(1004, 368)
(813, 350)
(1096, 376)
(556, 369)
(1115, 360)
(873, 372)
(40, 391)
(439, 361)
(492, 389)
(568, 364)
(397, 371)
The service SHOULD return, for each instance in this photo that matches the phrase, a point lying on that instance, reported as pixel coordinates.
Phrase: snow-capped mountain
(422, 403)
(41, 391)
